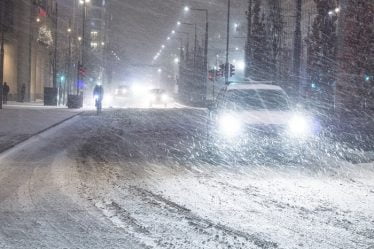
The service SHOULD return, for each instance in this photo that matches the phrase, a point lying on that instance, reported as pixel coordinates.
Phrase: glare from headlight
(152, 97)
(124, 91)
(229, 126)
(299, 127)
(139, 90)
(164, 97)
(107, 100)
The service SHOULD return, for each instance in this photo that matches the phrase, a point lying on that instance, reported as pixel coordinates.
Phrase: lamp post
(83, 40)
(227, 42)
(69, 30)
(55, 49)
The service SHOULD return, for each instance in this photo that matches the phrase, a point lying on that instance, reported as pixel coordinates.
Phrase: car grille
(266, 130)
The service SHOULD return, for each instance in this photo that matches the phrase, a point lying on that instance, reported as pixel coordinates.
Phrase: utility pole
(83, 45)
(206, 44)
(227, 43)
(297, 46)
(249, 40)
(69, 78)
(55, 49)
(2, 53)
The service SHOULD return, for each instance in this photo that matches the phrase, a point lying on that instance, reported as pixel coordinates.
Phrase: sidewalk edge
(8, 148)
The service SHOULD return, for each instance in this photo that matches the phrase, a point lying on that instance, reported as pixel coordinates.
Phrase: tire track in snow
(200, 222)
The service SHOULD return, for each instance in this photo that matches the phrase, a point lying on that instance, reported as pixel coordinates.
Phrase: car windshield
(157, 91)
(260, 99)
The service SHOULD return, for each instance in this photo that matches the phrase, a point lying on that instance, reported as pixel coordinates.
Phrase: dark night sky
(141, 26)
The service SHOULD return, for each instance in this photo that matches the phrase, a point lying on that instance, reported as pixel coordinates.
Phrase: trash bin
(50, 96)
(75, 101)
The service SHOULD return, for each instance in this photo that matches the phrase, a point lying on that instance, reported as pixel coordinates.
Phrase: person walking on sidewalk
(6, 90)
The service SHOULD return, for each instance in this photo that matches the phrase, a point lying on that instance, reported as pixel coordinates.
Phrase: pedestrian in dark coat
(6, 90)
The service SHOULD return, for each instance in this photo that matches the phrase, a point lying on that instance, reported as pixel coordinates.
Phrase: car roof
(253, 86)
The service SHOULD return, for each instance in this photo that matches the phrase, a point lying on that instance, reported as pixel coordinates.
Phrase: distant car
(158, 97)
(247, 116)
(122, 96)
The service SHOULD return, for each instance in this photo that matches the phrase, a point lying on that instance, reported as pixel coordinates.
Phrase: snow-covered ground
(140, 178)
(19, 121)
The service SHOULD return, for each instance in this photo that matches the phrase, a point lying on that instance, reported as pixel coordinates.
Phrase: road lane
(139, 178)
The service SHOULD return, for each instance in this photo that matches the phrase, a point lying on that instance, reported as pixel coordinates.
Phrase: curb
(7, 148)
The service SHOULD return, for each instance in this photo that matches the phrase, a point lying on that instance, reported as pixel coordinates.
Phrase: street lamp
(186, 8)
(159, 70)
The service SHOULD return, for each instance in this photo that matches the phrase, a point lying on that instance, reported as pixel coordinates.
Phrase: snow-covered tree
(322, 45)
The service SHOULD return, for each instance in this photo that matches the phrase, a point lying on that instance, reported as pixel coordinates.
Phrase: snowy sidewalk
(21, 121)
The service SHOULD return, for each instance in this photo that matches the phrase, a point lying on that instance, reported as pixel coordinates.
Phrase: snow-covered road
(140, 179)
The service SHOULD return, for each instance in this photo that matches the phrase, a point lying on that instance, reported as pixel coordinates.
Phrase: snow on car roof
(235, 86)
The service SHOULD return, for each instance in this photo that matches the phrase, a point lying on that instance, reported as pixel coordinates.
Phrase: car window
(250, 99)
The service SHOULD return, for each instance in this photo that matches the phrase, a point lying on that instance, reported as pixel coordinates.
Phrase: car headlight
(165, 97)
(152, 97)
(299, 127)
(229, 126)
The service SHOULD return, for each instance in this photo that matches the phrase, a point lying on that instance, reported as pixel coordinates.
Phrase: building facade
(29, 42)
(97, 26)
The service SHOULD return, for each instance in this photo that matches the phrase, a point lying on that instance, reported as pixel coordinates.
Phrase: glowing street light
(176, 60)
(337, 10)
(173, 32)
(186, 9)
(37, 19)
(69, 30)
(179, 23)
(162, 46)
(84, 1)
(79, 38)
(159, 70)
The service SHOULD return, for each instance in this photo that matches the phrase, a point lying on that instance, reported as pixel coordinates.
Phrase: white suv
(247, 116)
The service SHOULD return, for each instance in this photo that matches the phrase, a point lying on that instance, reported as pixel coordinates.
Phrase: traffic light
(221, 70)
(211, 74)
(232, 70)
(82, 70)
